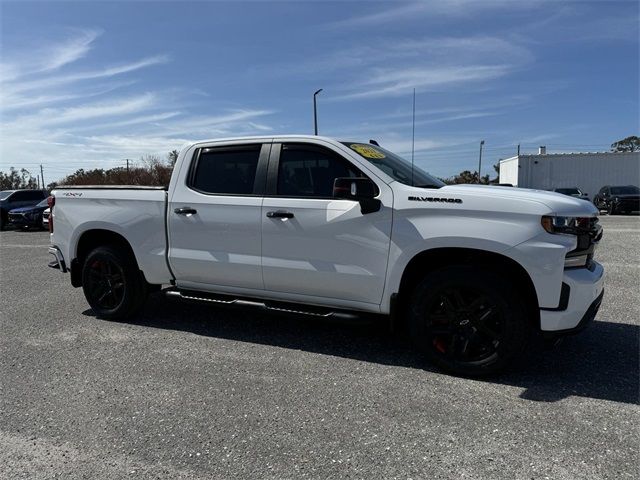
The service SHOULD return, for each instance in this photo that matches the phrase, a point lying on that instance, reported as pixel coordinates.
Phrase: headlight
(587, 232)
(560, 224)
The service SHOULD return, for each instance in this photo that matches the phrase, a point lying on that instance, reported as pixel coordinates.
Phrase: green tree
(629, 144)
(15, 179)
(467, 176)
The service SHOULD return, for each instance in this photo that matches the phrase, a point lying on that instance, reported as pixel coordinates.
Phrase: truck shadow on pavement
(601, 363)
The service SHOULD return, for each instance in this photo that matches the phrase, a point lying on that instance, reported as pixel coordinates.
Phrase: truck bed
(138, 213)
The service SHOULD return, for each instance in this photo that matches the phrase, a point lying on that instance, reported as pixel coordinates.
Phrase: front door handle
(280, 214)
(185, 211)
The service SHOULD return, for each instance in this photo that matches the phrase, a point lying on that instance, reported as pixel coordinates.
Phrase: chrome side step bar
(275, 306)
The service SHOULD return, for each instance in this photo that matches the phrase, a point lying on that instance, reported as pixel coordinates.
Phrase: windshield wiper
(427, 185)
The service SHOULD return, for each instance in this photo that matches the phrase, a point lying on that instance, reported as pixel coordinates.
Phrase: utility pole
(42, 176)
(413, 133)
(518, 149)
(128, 176)
(480, 160)
(315, 112)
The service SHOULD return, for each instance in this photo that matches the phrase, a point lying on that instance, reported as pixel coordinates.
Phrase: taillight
(51, 201)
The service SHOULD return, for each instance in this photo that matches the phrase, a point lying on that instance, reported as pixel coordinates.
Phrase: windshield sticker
(367, 151)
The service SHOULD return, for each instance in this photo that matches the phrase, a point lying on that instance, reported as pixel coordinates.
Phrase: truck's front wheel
(467, 320)
(112, 283)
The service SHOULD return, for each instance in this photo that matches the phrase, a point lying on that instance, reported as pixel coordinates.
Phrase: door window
(226, 170)
(308, 171)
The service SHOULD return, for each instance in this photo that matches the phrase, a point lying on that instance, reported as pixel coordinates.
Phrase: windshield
(568, 191)
(394, 166)
(5, 193)
(43, 203)
(624, 190)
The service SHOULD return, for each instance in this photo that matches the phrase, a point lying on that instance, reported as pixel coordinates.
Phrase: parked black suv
(618, 199)
(10, 199)
(572, 192)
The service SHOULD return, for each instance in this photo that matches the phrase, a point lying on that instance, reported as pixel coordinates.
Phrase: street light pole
(480, 160)
(315, 112)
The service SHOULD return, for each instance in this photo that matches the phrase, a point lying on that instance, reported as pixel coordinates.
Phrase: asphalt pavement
(194, 391)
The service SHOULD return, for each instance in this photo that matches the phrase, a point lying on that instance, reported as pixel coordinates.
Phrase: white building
(587, 171)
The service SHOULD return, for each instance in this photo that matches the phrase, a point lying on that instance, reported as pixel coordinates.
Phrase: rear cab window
(226, 170)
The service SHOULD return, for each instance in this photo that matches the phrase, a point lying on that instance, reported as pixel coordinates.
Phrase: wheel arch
(91, 239)
(436, 258)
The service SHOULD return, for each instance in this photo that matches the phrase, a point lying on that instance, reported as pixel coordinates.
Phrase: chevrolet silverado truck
(313, 226)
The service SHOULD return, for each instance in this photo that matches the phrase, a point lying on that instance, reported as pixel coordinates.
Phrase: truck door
(214, 218)
(314, 244)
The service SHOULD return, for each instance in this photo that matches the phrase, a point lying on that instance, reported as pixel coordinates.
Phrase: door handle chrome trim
(185, 211)
(280, 214)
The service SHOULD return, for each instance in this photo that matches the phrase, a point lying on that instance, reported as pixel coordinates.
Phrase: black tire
(611, 209)
(468, 320)
(112, 283)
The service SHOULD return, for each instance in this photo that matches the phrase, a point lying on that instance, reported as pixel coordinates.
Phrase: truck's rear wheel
(468, 320)
(112, 283)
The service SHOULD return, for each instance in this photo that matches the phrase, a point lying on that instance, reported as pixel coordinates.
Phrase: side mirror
(362, 190)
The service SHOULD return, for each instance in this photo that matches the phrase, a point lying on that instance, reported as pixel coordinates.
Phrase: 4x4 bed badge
(435, 199)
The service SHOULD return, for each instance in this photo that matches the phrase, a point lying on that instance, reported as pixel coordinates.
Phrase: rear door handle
(280, 214)
(185, 211)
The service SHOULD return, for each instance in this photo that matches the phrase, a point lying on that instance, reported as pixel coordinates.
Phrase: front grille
(630, 203)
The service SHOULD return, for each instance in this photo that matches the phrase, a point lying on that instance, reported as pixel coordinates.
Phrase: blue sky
(88, 84)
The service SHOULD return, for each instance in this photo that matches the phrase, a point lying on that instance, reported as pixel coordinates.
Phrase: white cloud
(61, 80)
(50, 57)
(433, 9)
(59, 115)
(393, 82)
(69, 51)
(389, 67)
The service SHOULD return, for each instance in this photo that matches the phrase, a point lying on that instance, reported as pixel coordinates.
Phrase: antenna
(413, 134)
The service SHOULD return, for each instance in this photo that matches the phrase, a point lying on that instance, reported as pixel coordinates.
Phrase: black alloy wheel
(105, 284)
(112, 282)
(464, 325)
(469, 320)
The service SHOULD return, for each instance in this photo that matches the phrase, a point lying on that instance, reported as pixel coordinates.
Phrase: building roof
(567, 154)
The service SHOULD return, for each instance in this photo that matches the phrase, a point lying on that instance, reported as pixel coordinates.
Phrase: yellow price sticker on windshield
(367, 151)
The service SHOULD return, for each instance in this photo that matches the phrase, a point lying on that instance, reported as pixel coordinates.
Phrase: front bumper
(631, 205)
(586, 289)
(22, 220)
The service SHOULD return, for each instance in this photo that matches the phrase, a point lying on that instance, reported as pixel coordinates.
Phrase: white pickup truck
(313, 226)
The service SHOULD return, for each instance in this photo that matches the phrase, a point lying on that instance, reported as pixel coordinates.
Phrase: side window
(27, 196)
(230, 170)
(34, 195)
(18, 197)
(308, 171)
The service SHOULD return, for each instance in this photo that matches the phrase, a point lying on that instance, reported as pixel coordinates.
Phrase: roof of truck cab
(262, 138)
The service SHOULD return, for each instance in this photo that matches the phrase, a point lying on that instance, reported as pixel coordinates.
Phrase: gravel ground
(191, 391)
